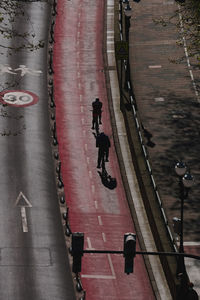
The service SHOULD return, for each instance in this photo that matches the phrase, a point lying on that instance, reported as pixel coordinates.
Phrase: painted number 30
(19, 98)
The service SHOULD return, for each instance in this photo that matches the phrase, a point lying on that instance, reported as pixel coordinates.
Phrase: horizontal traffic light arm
(145, 253)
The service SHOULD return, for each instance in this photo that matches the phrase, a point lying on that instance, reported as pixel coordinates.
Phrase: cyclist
(97, 110)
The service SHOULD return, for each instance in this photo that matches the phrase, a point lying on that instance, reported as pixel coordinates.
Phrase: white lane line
(83, 121)
(84, 132)
(79, 85)
(82, 108)
(93, 188)
(86, 147)
(111, 265)
(79, 24)
(98, 276)
(104, 237)
(81, 98)
(191, 243)
(96, 204)
(90, 174)
(159, 99)
(187, 56)
(88, 160)
(89, 244)
(24, 219)
(78, 74)
(155, 67)
(100, 220)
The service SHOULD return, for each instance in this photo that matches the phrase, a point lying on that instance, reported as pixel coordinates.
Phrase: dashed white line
(100, 221)
(93, 188)
(96, 204)
(82, 108)
(191, 243)
(88, 160)
(104, 237)
(83, 121)
(89, 244)
(111, 265)
(90, 174)
(187, 56)
(155, 67)
(86, 147)
(159, 99)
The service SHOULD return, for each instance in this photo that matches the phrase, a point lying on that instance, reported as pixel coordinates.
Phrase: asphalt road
(33, 257)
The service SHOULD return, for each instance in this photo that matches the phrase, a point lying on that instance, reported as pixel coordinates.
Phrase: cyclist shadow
(107, 180)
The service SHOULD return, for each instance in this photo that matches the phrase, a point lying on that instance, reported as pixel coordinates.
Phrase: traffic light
(129, 251)
(77, 250)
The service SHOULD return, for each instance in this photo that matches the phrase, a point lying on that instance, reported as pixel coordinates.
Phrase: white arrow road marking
(23, 199)
(24, 219)
(23, 202)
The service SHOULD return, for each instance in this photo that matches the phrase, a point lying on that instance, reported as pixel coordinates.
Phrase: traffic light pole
(144, 253)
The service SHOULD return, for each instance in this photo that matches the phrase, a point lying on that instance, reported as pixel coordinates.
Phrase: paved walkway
(157, 276)
(100, 212)
(168, 103)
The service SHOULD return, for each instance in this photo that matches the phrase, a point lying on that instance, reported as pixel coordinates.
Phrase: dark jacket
(102, 141)
(97, 106)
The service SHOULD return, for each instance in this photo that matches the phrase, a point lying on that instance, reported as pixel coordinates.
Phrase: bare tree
(12, 12)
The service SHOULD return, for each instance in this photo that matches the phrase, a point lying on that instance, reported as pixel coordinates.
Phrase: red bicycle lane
(101, 213)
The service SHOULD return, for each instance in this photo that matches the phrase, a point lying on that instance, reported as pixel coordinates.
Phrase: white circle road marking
(18, 98)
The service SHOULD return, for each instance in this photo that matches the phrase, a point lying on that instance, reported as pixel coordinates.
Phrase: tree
(187, 18)
(10, 13)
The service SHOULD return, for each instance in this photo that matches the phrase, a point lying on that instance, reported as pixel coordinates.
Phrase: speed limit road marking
(18, 98)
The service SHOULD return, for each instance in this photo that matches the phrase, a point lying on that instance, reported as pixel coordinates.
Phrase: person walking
(97, 111)
(103, 143)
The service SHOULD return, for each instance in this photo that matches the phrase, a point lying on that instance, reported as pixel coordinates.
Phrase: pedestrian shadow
(148, 136)
(107, 180)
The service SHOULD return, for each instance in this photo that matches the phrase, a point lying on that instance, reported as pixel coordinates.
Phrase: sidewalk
(128, 172)
(168, 104)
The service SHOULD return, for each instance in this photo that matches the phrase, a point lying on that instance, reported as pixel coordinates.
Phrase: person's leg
(100, 118)
(93, 120)
(107, 154)
(100, 156)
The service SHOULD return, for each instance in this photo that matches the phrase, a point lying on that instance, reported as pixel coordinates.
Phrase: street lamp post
(185, 183)
(127, 12)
